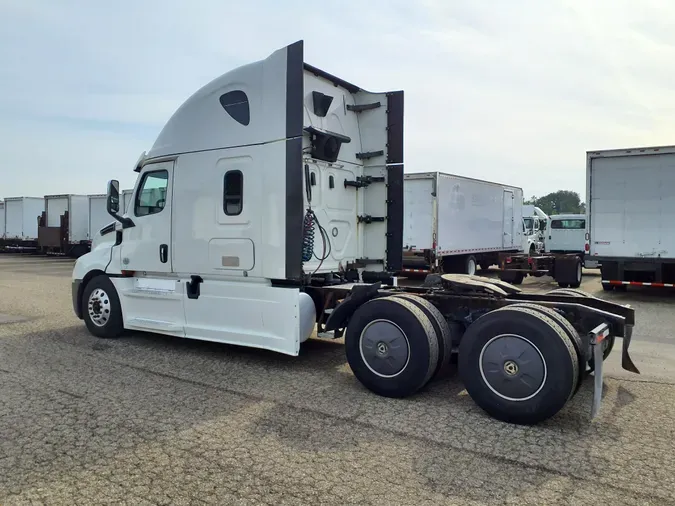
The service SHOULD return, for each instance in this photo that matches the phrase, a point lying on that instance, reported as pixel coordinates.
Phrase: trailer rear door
(508, 223)
(632, 206)
(418, 208)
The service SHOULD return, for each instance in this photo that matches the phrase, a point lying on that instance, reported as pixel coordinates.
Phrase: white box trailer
(21, 218)
(2, 220)
(631, 215)
(126, 199)
(454, 223)
(64, 227)
(98, 214)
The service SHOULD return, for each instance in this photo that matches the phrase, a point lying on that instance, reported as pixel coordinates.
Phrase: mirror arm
(125, 221)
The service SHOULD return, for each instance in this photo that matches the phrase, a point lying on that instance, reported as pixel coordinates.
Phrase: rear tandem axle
(521, 356)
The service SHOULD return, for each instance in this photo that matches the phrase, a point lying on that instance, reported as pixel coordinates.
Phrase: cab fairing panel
(201, 123)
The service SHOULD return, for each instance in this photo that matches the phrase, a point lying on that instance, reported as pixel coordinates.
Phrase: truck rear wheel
(101, 308)
(391, 346)
(470, 265)
(569, 291)
(566, 325)
(518, 365)
(440, 324)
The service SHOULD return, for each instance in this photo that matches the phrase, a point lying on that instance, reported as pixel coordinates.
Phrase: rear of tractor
(521, 357)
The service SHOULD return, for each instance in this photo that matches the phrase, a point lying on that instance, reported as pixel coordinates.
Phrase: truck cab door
(146, 247)
(152, 300)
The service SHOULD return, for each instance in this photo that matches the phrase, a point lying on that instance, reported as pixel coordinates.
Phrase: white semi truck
(534, 225)
(630, 228)
(272, 203)
(453, 224)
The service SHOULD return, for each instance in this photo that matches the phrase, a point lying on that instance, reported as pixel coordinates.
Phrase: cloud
(509, 91)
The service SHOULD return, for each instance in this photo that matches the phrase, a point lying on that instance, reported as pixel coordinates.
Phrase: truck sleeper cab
(295, 222)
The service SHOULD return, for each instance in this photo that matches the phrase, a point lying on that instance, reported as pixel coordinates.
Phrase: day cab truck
(567, 234)
(535, 222)
(453, 224)
(255, 220)
(631, 216)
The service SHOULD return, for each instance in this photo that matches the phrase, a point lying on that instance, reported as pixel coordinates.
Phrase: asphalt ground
(147, 419)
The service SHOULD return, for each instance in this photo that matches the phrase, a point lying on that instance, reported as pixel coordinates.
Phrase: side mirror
(113, 197)
(113, 204)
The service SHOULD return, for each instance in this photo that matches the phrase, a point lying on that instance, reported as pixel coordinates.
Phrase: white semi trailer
(272, 202)
(21, 221)
(98, 215)
(2, 220)
(630, 228)
(64, 225)
(453, 223)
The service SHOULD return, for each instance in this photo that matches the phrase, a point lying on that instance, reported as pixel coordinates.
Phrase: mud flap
(597, 337)
(626, 361)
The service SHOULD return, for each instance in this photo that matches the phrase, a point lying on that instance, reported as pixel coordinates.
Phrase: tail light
(587, 247)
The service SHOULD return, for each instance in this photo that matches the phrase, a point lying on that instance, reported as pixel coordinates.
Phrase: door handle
(163, 253)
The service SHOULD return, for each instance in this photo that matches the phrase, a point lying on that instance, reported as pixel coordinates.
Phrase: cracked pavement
(148, 419)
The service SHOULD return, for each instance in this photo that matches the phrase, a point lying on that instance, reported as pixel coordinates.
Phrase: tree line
(560, 202)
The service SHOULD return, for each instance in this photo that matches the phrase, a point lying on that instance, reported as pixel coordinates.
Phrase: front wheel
(101, 308)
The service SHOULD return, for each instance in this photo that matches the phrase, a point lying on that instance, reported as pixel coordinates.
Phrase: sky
(511, 91)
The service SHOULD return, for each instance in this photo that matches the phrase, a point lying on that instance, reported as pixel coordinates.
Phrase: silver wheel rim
(98, 307)
(471, 266)
(384, 348)
(519, 367)
(579, 273)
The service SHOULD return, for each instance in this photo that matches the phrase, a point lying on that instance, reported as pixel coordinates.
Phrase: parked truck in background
(98, 215)
(64, 225)
(567, 234)
(534, 226)
(631, 215)
(454, 224)
(275, 206)
(2, 220)
(21, 222)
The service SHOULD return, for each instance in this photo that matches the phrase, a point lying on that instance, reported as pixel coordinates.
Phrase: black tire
(409, 373)
(569, 291)
(549, 354)
(518, 279)
(440, 324)
(533, 251)
(470, 264)
(512, 277)
(563, 285)
(100, 297)
(579, 275)
(567, 327)
(607, 287)
(484, 266)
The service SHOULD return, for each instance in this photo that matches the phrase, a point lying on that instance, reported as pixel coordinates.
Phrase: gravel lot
(148, 419)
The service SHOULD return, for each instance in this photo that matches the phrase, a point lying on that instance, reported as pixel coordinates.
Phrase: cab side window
(233, 194)
(151, 194)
